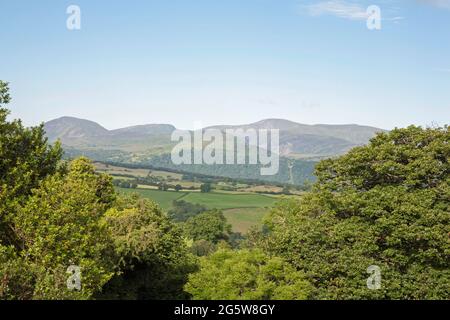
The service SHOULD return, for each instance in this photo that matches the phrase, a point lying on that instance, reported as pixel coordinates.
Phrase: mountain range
(151, 145)
(296, 140)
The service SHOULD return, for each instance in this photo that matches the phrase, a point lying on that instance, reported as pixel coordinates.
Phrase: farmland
(244, 205)
(242, 219)
(163, 198)
(230, 201)
(241, 210)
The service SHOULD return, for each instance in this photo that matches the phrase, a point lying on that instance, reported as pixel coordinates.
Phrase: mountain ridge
(301, 146)
(296, 139)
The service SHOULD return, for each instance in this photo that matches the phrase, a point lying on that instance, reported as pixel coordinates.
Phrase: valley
(243, 211)
(243, 204)
(301, 147)
(139, 160)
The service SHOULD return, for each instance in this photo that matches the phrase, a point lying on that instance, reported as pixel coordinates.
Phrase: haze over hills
(300, 146)
(296, 140)
(86, 134)
(312, 141)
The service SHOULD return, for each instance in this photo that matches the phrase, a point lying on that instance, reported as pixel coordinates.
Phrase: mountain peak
(146, 129)
(73, 128)
(275, 123)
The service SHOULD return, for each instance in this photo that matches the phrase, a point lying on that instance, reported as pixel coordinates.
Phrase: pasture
(241, 210)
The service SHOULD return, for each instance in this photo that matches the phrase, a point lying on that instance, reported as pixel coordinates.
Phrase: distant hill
(150, 144)
(69, 129)
(312, 141)
(87, 135)
(296, 140)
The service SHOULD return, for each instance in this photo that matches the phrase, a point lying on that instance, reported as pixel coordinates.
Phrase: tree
(163, 187)
(211, 226)
(178, 188)
(384, 204)
(59, 226)
(205, 188)
(154, 260)
(182, 210)
(54, 216)
(202, 248)
(5, 98)
(16, 280)
(246, 275)
(25, 160)
(286, 190)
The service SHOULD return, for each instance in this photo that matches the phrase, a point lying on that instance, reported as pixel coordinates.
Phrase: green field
(241, 210)
(230, 201)
(163, 198)
(210, 200)
(243, 219)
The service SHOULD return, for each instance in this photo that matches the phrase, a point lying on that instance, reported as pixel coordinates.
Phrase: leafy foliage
(244, 275)
(25, 160)
(302, 170)
(59, 227)
(205, 188)
(152, 254)
(16, 281)
(202, 247)
(385, 204)
(54, 215)
(182, 210)
(210, 226)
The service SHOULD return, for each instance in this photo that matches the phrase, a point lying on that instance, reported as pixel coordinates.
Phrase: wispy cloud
(444, 4)
(341, 9)
(395, 19)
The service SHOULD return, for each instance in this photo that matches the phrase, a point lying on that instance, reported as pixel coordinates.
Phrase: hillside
(297, 140)
(87, 135)
(151, 145)
(70, 130)
(309, 141)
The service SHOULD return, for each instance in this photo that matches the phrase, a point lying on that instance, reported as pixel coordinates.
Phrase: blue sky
(228, 61)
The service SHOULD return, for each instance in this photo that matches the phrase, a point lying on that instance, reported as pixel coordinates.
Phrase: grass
(188, 184)
(230, 201)
(242, 210)
(113, 170)
(262, 189)
(141, 173)
(166, 174)
(163, 198)
(210, 200)
(243, 219)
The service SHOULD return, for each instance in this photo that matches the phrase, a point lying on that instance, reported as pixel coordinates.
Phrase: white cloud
(348, 10)
(338, 8)
(395, 19)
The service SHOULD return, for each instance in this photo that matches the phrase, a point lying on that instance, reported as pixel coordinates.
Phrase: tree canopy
(384, 204)
(25, 159)
(246, 275)
(57, 217)
(153, 257)
(210, 226)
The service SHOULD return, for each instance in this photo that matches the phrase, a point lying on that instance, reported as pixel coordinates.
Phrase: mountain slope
(68, 129)
(151, 145)
(305, 141)
(85, 134)
(296, 140)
